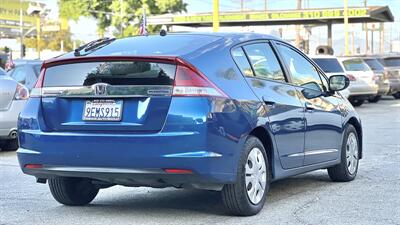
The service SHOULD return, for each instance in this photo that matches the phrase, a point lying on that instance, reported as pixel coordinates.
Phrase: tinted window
(302, 71)
(392, 62)
(36, 68)
(114, 73)
(242, 62)
(355, 65)
(19, 74)
(264, 62)
(374, 64)
(329, 65)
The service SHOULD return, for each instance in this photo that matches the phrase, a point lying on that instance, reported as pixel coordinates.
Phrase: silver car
(362, 80)
(13, 96)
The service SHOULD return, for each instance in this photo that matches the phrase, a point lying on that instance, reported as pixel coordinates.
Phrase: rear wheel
(396, 95)
(375, 99)
(348, 167)
(357, 102)
(247, 196)
(72, 191)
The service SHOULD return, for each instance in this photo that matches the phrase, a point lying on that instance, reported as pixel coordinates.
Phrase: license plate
(102, 110)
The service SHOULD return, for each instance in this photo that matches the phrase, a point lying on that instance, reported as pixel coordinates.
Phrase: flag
(10, 63)
(143, 24)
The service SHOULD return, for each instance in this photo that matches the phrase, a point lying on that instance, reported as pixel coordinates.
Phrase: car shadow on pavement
(207, 202)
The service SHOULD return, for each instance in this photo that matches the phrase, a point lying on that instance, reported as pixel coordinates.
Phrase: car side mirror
(338, 82)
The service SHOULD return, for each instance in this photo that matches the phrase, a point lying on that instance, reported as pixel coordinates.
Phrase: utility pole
(265, 5)
(21, 29)
(366, 32)
(346, 28)
(215, 15)
(120, 14)
(38, 34)
(298, 26)
(381, 38)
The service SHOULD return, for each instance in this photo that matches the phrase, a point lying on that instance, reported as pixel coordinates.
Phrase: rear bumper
(9, 118)
(131, 160)
(129, 177)
(384, 87)
(394, 86)
(363, 89)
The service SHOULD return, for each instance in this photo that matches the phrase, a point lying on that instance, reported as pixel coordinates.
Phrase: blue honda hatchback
(228, 112)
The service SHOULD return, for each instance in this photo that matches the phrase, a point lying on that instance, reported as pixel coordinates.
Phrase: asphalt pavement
(372, 198)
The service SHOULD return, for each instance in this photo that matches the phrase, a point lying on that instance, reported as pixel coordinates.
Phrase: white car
(13, 96)
(362, 80)
(331, 66)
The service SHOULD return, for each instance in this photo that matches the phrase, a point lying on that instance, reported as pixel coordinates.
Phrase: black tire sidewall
(349, 129)
(251, 143)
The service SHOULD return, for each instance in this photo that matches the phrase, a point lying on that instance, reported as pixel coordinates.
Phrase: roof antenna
(163, 31)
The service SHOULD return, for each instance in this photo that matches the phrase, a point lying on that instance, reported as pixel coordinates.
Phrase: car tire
(357, 102)
(72, 191)
(10, 145)
(396, 95)
(347, 169)
(375, 99)
(236, 196)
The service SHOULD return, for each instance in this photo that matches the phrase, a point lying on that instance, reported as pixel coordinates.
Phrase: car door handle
(309, 107)
(268, 102)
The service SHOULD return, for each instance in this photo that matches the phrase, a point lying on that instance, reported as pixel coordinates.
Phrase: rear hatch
(107, 94)
(7, 91)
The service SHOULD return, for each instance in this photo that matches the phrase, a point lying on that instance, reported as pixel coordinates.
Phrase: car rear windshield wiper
(96, 44)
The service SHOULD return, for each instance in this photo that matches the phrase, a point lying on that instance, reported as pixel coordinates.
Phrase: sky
(85, 28)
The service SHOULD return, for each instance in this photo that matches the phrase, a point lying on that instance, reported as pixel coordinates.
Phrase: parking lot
(373, 198)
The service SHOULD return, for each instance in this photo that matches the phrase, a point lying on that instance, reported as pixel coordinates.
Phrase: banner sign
(275, 16)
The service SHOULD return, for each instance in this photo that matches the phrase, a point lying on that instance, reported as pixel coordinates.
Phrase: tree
(52, 40)
(122, 16)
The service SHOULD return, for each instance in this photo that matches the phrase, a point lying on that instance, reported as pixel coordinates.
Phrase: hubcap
(352, 153)
(256, 175)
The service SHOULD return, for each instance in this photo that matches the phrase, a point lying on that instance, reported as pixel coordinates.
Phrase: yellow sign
(10, 14)
(275, 16)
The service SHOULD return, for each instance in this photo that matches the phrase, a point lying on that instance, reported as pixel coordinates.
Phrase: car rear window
(374, 64)
(392, 62)
(329, 65)
(36, 68)
(355, 65)
(114, 73)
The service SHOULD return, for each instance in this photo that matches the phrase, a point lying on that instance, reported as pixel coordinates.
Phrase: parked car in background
(13, 96)
(26, 72)
(229, 112)
(362, 80)
(331, 66)
(391, 64)
(381, 78)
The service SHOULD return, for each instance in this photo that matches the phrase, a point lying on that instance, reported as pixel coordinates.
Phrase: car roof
(144, 45)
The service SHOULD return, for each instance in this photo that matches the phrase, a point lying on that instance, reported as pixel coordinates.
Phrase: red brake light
(21, 92)
(37, 89)
(33, 166)
(191, 82)
(39, 82)
(178, 171)
(351, 77)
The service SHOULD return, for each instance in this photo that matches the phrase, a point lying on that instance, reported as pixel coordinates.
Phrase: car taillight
(351, 77)
(21, 92)
(37, 89)
(191, 82)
